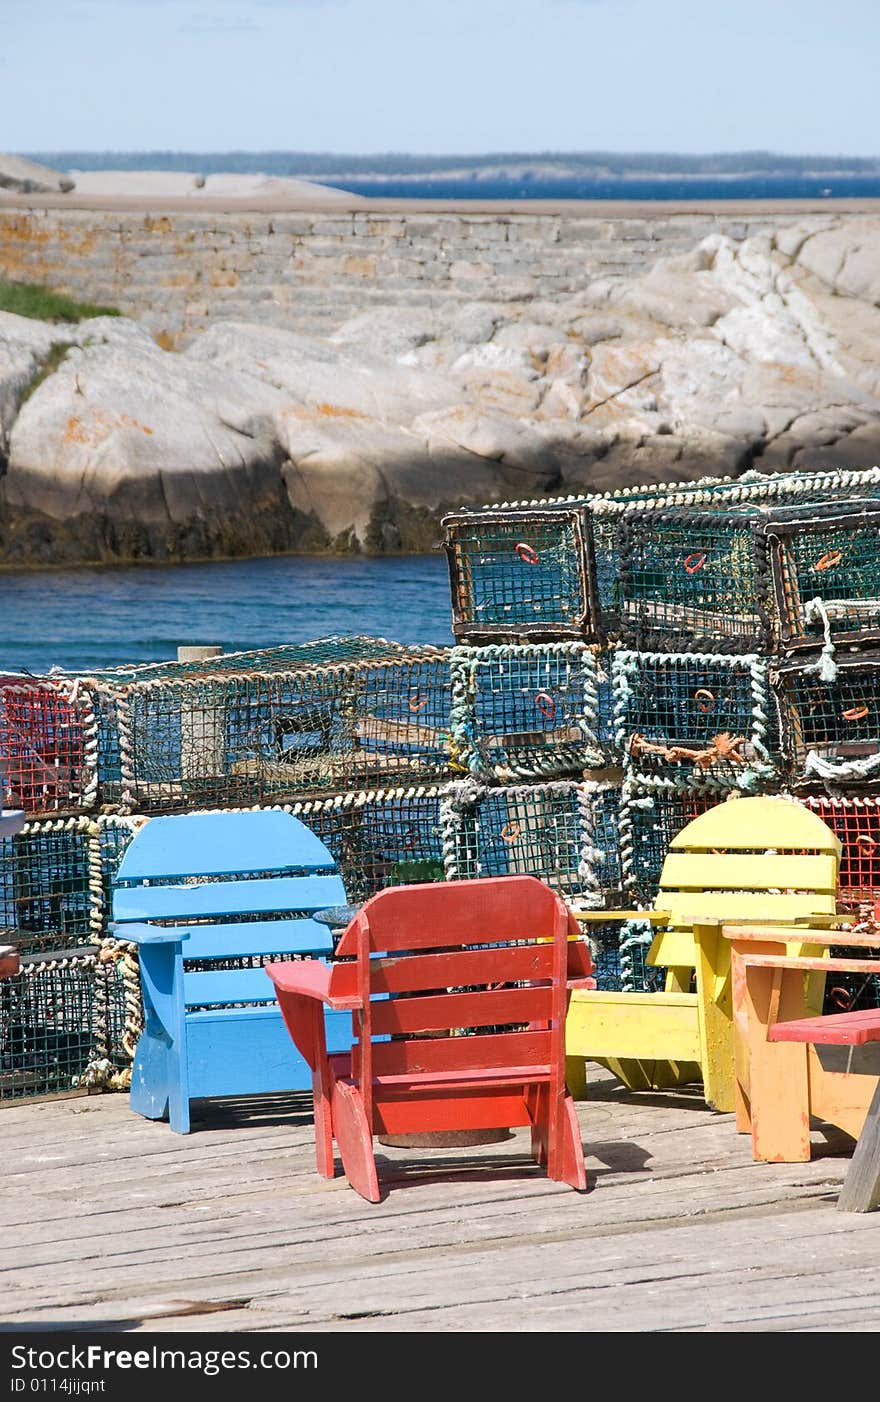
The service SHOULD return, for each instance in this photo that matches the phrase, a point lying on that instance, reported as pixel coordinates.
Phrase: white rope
(826, 666)
(843, 769)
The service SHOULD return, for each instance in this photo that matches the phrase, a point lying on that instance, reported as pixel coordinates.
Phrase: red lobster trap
(48, 745)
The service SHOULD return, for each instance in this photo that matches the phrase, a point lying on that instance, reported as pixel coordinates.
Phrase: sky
(457, 77)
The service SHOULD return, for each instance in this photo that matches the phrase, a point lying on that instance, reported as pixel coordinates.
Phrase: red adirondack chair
(458, 993)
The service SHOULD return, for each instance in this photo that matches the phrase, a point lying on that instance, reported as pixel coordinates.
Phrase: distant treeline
(584, 163)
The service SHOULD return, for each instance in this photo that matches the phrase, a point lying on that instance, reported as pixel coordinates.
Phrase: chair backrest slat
(502, 1051)
(400, 973)
(472, 912)
(736, 871)
(214, 844)
(487, 1007)
(216, 899)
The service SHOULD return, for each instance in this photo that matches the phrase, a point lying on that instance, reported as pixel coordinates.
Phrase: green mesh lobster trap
(563, 832)
(47, 885)
(62, 1017)
(619, 951)
(529, 711)
(250, 728)
(748, 577)
(826, 574)
(693, 580)
(830, 729)
(379, 838)
(695, 720)
(519, 575)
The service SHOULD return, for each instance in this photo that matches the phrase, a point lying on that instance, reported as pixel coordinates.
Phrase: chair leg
(355, 1139)
(571, 1169)
(324, 1161)
(861, 1186)
(536, 1104)
(576, 1076)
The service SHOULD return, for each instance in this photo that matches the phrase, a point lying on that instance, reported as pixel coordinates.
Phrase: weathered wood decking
(113, 1223)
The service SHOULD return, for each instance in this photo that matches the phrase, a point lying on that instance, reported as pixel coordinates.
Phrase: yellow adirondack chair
(747, 859)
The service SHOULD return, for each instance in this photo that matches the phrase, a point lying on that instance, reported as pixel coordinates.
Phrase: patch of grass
(41, 303)
(48, 365)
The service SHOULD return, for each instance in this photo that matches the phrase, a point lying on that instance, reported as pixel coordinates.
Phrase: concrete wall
(178, 271)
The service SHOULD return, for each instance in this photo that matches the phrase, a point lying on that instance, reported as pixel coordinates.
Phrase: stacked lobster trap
(351, 734)
(719, 639)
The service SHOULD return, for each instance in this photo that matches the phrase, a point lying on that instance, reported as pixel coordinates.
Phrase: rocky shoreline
(258, 439)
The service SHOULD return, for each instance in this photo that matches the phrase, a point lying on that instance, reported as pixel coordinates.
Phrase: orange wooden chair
(458, 994)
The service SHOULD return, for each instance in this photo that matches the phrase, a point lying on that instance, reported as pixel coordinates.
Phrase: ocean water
(87, 618)
(747, 187)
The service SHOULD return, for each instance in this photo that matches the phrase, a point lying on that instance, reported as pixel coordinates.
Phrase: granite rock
(761, 350)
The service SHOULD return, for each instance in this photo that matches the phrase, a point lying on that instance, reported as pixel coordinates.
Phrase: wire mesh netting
(46, 896)
(856, 821)
(825, 573)
(695, 719)
(57, 1017)
(564, 833)
(47, 746)
(619, 952)
(693, 581)
(264, 726)
(380, 838)
(649, 820)
(519, 573)
(830, 730)
(530, 711)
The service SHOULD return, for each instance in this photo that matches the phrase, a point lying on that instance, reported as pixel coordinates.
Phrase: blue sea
(88, 618)
(746, 187)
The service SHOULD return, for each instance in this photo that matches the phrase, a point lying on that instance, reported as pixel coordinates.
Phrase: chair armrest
(599, 917)
(142, 934)
(309, 978)
(575, 983)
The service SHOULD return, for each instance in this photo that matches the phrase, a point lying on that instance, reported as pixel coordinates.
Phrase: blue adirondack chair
(221, 889)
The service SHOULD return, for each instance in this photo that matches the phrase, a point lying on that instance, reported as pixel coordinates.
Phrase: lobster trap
(693, 580)
(563, 832)
(825, 562)
(47, 885)
(247, 729)
(48, 746)
(619, 950)
(830, 729)
(694, 720)
(530, 711)
(62, 1024)
(379, 838)
(518, 575)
